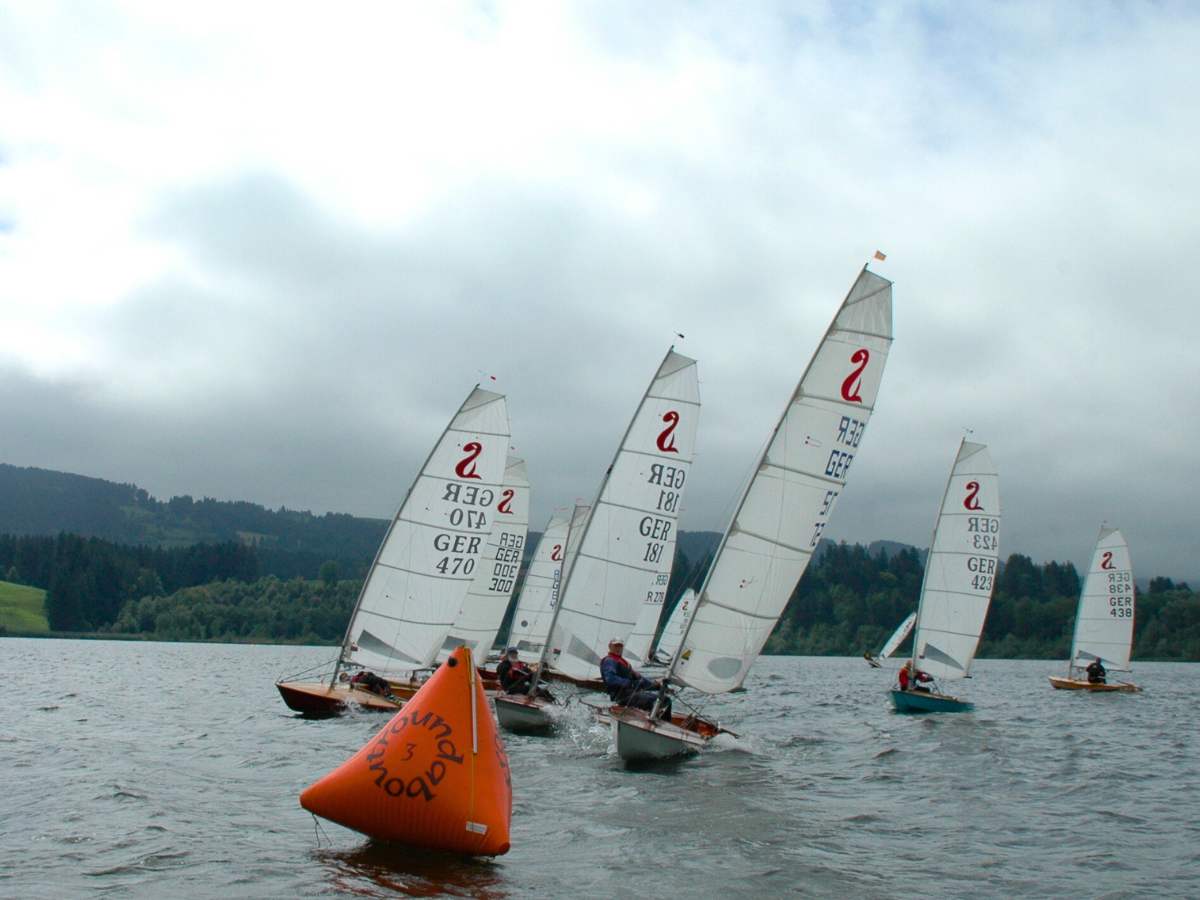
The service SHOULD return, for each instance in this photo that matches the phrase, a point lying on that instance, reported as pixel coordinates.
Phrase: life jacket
(622, 670)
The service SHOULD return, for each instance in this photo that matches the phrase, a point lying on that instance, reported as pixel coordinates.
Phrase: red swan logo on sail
(556, 553)
(666, 440)
(466, 466)
(506, 499)
(854, 380)
(1107, 560)
(971, 501)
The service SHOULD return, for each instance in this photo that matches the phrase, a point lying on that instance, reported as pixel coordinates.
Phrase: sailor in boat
(516, 677)
(626, 687)
(911, 678)
(1096, 672)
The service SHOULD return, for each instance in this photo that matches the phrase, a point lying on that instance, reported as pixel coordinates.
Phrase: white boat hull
(518, 713)
(642, 739)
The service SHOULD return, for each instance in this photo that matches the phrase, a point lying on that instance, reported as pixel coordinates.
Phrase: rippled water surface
(140, 769)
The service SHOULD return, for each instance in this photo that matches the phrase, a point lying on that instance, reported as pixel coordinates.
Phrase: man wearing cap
(516, 677)
(625, 686)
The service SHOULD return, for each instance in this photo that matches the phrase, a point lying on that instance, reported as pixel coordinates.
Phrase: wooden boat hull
(317, 698)
(518, 713)
(1075, 684)
(927, 701)
(642, 739)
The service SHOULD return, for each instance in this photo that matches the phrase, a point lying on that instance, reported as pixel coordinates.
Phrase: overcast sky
(263, 251)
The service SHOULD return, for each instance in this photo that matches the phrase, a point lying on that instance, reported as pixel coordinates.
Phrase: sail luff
(427, 561)
(960, 570)
(608, 581)
(1104, 618)
(761, 555)
(362, 589)
(937, 520)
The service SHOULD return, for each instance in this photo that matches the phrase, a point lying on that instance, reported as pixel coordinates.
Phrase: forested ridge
(44, 502)
(849, 600)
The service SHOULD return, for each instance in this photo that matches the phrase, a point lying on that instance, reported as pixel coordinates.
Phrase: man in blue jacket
(625, 686)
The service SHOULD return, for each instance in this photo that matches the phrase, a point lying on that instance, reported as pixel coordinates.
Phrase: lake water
(155, 770)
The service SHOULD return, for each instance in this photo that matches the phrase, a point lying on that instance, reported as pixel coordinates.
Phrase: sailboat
(889, 646)
(528, 711)
(960, 573)
(777, 524)
(672, 635)
(424, 567)
(627, 544)
(535, 602)
(487, 599)
(1104, 620)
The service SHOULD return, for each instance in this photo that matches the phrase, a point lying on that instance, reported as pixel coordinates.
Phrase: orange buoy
(435, 776)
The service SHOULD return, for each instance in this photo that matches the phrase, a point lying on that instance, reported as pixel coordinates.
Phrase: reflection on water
(377, 869)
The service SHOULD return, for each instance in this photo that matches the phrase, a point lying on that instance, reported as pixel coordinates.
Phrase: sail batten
(786, 505)
(960, 571)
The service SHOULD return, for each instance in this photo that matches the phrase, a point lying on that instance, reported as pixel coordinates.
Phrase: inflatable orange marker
(435, 776)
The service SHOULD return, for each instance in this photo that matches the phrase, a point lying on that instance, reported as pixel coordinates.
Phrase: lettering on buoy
(435, 776)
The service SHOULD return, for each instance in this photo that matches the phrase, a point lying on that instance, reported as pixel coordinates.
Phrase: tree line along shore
(848, 600)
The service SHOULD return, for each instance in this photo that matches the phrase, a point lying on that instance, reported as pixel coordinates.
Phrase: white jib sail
(1104, 621)
(487, 599)
(672, 636)
(898, 636)
(428, 558)
(628, 543)
(961, 568)
(792, 494)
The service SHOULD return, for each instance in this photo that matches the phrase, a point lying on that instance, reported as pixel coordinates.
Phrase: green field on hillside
(21, 607)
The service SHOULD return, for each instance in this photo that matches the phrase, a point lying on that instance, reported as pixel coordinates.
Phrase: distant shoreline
(94, 636)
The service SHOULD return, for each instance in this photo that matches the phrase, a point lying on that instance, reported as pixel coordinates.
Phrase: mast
(568, 564)
(379, 551)
(928, 556)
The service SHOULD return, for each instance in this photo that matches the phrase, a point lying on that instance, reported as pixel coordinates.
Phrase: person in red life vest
(912, 678)
(625, 686)
(516, 677)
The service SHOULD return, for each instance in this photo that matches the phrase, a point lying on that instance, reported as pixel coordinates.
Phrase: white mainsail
(429, 555)
(1104, 620)
(672, 636)
(628, 543)
(543, 582)
(898, 636)
(792, 494)
(487, 600)
(960, 570)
